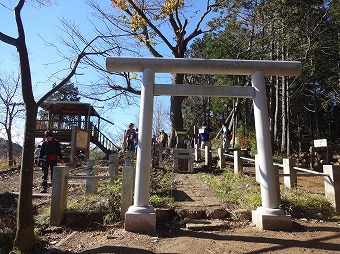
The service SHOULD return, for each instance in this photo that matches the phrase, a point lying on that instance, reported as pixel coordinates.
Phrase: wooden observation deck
(75, 123)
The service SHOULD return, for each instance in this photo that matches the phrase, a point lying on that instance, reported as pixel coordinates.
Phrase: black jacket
(50, 150)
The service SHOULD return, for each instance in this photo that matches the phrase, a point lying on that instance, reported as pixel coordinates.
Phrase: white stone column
(141, 217)
(269, 216)
(197, 152)
(264, 148)
(113, 167)
(91, 186)
(59, 194)
(238, 163)
(290, 176)
(221, 161)
(128, 177)
(332, 185)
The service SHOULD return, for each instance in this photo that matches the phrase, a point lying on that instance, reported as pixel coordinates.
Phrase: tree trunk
(316, 114)
(176, 116)
(10, 147)
(272, 109)
(277, 108)
(272, 93)
(24, 239)
(288, 121)
(284, 117)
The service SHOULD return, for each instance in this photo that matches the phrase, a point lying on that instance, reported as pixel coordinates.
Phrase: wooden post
(73, 146)
(160, 152)
(129, 158)
(290, 177)
(207, 154)
(128, 179)
(91, 183)
(113, 167)
(238, 163)
(221, 161)
(332, 185)
(196, 139)
(197, 152)
(277, 181)
(59, 194)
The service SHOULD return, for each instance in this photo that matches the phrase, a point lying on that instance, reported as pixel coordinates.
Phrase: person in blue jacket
(205, 135)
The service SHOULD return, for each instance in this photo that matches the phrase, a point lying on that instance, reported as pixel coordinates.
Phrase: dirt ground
(307, 236)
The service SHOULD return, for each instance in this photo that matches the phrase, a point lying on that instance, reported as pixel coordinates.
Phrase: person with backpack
(130, 136)
(205, 135)
(49, 153)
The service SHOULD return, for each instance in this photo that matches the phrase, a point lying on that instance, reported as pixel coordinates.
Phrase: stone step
(201, 213)
(206, 225)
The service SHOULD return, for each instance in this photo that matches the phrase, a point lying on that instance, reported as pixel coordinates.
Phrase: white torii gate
(141, 217)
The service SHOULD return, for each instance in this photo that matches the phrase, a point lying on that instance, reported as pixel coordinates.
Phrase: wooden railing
(97, 135)
(59, 127)
(56, 125)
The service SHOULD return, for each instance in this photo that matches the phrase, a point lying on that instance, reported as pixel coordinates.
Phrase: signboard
(320, 143)
(82, 139)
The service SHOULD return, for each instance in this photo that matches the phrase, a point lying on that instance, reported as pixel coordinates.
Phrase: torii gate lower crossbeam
(141, 217)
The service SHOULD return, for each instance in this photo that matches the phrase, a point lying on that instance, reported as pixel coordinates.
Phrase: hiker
(130, 136)
(163, 139)
(227, 136)
(153, 140)
(205, 135)
(49, 153)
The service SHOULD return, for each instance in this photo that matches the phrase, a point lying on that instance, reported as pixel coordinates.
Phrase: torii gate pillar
(141, 217)
(269, 216)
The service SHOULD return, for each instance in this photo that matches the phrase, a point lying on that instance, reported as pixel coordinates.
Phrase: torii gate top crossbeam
(204, 66)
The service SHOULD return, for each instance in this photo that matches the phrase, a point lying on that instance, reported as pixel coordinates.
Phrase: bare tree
(160, 117)
(11, 108)
(24, 239)
(163, 27)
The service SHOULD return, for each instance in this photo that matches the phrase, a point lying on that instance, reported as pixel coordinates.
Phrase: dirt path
(306, 236)
(192, 193)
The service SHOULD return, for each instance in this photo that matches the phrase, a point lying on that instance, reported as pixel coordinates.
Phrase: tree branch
(81, 55)
(158, 32)
(8, 39)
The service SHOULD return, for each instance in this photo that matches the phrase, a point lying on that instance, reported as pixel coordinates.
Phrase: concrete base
(271, 219)
(140, 219)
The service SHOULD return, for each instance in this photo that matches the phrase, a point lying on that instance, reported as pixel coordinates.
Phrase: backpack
(229, 135)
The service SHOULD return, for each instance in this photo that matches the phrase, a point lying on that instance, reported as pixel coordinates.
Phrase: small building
(76, 125)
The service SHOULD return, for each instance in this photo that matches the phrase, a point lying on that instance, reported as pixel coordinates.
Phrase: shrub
(246, 139)
(303, 204)
(161, 202)
(242, 191)
(235, 189)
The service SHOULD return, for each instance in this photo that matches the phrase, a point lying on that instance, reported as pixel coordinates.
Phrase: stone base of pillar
(140, 219)
(271, 219)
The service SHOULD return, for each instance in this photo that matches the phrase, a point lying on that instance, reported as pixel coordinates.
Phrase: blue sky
(43, 23)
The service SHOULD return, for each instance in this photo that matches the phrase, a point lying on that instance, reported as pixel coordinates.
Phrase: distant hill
(4, 148)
